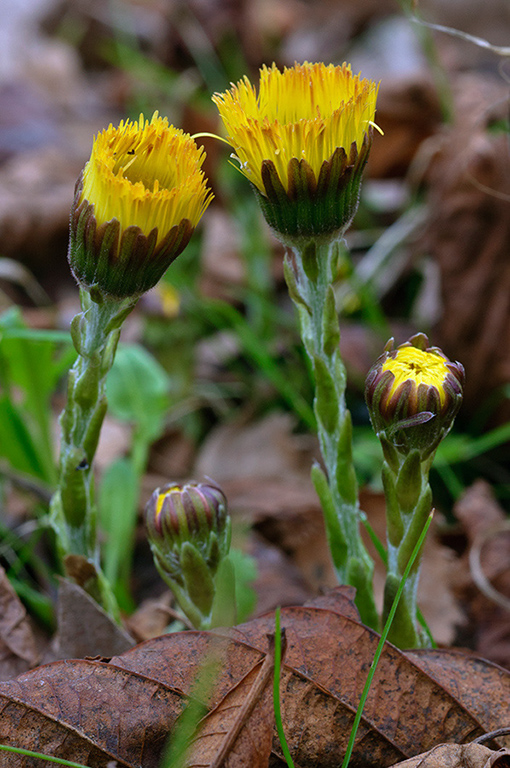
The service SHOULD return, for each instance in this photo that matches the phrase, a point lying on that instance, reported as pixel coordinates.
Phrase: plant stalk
(310, 276)
(408, 505)
(95, 334)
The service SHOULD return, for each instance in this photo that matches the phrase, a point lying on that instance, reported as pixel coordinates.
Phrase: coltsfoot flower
(413, 394)
(303, 142)
(136, 204)
(189, 531)
(181, 518)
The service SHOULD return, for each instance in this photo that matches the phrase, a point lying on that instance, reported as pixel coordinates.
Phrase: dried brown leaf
(480, 515)
(467, 235)
(264, 449)
(459, 756)
(279, 581)
(93, 712)
(98, 635)
(18, 650)
(464, 676)
(233, 734)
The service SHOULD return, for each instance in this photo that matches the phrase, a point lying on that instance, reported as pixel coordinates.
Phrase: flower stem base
(310, 276)
(95, 333)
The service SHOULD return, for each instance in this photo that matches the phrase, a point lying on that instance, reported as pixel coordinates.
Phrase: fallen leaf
(151, 618)
(93, 712)
(18, 651)
(287, 513)
(464, 676)
(458, 756)
(264, 468)
(233, 734)
(222, 265)
(264, 449)
(408, 111)
(98, 635)
(479, 513)
(278, 581)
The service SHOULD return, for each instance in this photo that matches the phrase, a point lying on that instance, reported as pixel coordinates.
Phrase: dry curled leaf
(239, 731)
(99, 635)
(480, 514)
(93, 712)
(18, 650)
(459, 756)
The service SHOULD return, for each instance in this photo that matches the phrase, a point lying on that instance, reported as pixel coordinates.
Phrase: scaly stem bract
(310, 276)
(95, 333)
(408, 505)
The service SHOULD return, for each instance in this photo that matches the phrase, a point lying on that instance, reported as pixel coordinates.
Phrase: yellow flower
(147, 175)
(137, 202)
(413, 394)
(305, 112)
(418, 366)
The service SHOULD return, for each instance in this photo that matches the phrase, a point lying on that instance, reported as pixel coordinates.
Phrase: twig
(475, 564)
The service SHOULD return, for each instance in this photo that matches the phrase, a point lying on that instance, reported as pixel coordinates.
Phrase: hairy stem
(310, 276)
(95, 333)
(408, 505)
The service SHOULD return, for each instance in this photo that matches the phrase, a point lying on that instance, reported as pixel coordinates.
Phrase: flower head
(192, 513)
(139, 198)
(413, 394)
(189, 533)
(304, 137)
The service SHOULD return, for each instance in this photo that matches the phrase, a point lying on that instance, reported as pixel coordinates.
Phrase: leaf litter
(459, 756)
(93, 711)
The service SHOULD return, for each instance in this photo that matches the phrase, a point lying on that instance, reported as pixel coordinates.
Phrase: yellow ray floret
(305, 112)
(418, 366)
(146, 174)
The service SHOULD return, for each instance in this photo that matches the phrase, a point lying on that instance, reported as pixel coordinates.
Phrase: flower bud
(194, 514)
(413, 394)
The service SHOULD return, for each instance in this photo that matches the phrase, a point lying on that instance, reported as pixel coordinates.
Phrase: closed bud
(413, 394)
(194, 513)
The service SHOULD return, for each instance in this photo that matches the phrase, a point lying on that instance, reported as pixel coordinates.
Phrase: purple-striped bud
(413, 394)
(193, 512)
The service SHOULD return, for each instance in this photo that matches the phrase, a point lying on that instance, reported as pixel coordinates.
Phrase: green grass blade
(48, 758)
(276, 690)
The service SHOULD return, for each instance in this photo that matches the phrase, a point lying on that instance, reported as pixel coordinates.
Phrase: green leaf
(118, 506)
(223, 613)
(330, 325)
(16, 442)
(198, 579)
(394, 523)
(137, 388)
(336, 536)
(409, 481)
(245, 570)
(32, 363)
(326, 397)
(345, 474)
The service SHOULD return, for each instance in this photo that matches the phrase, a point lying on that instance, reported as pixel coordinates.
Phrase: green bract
(314, 207)
(119, 263)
